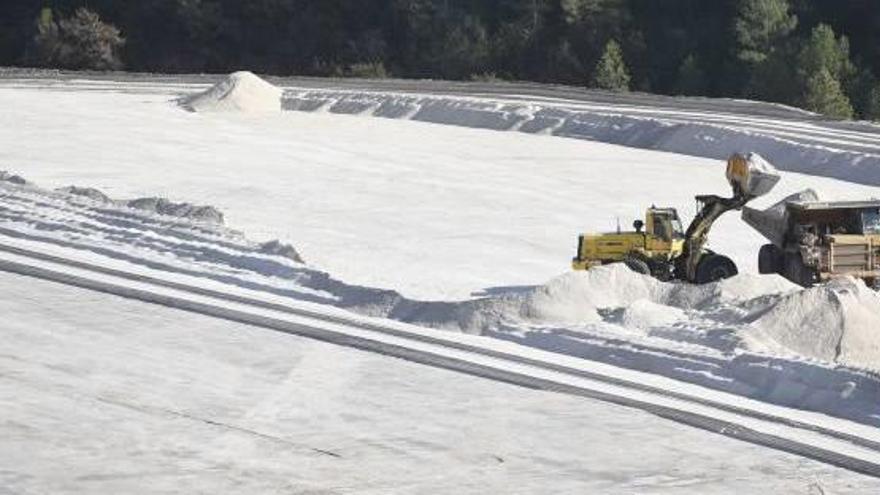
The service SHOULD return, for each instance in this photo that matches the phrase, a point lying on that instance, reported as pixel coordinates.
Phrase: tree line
(822, 55)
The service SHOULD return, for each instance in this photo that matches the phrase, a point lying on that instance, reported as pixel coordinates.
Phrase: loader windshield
(667, 225)
(677, 230)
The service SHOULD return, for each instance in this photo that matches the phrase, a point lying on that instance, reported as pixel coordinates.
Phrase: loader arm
(750, 177)
(697, 234)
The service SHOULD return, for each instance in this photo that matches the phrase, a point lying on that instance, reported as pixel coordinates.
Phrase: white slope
(796, 146)
(107, 395)
(436, 212)
(705, 335)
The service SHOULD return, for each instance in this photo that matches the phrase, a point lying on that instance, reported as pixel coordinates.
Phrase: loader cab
(663, 224)
(664, 236)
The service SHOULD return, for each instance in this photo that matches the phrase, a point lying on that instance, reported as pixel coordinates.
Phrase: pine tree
(860, 89)
(46, 40)
(759, 26)
(464, 50)
(824, 49)
(81, 41)
(691, 77)
(872, 110)
(825, 70)
(771, 80)
(611, 72)
(824, 95)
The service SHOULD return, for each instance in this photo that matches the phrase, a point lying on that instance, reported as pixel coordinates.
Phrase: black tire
(770, 259)
(637, 265)
(715, 267)
(797, 272)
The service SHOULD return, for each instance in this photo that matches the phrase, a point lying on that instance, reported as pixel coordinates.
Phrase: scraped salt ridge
(859, 164)
(239, 92)
(159, 206)
(205, 216)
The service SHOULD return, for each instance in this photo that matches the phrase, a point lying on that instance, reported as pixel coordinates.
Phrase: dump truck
(659, 247)
(812, 241)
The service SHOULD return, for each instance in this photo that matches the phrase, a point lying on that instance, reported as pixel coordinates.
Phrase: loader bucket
(751, 175)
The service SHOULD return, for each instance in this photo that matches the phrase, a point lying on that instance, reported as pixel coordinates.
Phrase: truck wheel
(715, 267)
(637, 265)
(797, 272)
(770, 259)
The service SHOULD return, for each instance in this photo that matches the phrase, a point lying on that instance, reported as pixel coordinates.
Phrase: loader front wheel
(715, 267)
(637, 265)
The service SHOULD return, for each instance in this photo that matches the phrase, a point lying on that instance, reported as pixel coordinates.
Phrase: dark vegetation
(822, 55)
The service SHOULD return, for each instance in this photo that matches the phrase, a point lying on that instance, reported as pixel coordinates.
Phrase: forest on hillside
(823, 55)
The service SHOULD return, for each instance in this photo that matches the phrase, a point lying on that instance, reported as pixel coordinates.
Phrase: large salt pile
(838, 322)
(575, 297)
(239, 92)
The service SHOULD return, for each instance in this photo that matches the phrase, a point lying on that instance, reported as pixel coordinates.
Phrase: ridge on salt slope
(837, 322)
(855, 161)
(239, 92)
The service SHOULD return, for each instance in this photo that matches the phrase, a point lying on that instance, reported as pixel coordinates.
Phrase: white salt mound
(576, 294)
(239, 92)
(838, 322)
(575, 297)
(645, 315)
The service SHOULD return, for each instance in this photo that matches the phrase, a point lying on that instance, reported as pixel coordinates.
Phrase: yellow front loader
(658, 246)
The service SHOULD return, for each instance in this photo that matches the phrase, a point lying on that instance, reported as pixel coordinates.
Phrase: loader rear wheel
(637, 265)
(770, 259)
(715, 267)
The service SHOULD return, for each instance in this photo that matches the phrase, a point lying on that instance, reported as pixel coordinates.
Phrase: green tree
(774, 79)
(564, 65)
(825, 56)
(824, 95)
(46, 40)
(691, 77)
(824, 50)
(81, 41)
(587, 25)
(872, 107)
(575, 10)
(860, 89)
(759, 26)
(611, 72)
(464, 50)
